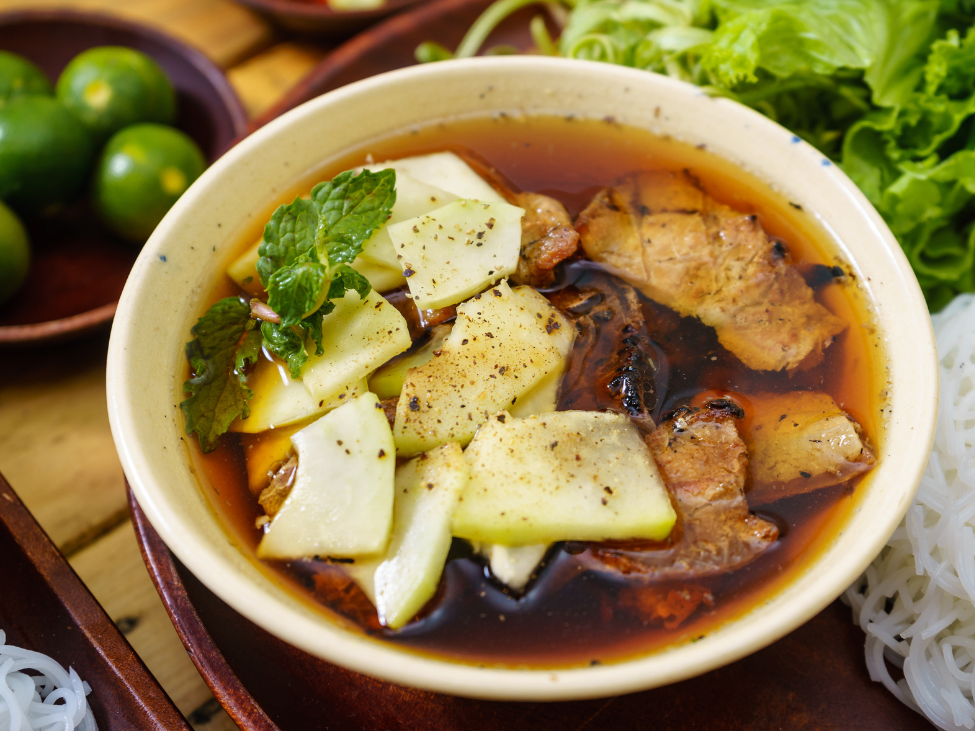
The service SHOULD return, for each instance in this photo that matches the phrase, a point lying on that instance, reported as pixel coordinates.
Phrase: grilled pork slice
(703, 461)
(612, 352)
(547, 238)
(663, 234)
(799, 442)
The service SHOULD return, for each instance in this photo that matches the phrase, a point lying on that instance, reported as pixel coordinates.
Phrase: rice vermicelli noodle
(49, 699)
(916, 601)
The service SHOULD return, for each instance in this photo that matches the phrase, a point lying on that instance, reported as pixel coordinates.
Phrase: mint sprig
(224, 343)
(307, 247)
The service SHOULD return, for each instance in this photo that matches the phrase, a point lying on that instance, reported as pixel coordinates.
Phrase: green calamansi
(19, 77)
(45, 155)
(111, 87)
(14, 253)
(142, 171)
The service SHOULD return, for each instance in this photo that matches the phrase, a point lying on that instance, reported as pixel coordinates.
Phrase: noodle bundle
(50, 699)
(916, 601)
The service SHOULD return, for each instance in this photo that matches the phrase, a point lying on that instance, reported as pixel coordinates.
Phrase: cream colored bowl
(179, 263)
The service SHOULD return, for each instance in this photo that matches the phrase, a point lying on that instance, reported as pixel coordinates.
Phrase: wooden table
(55, 445)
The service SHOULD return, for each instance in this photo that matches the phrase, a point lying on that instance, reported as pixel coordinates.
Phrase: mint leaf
(294, 291)
(307, 245)
(218, 394)
(345, 277)
(312, 325)
(288, 235)
(352, 208)
(285, 343)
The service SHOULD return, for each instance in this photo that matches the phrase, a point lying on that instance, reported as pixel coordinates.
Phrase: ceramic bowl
(163, 295)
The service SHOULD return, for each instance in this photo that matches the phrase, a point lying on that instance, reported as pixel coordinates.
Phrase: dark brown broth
(570, 616)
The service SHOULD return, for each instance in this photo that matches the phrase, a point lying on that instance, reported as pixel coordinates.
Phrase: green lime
(142, 171)
(14, 253)
(111, 87)
(45, 155)
(19, 77)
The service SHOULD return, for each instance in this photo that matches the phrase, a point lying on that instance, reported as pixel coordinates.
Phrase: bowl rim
(389, 663)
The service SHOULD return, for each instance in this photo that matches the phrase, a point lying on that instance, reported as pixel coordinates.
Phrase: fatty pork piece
(547, 238)
(662, 233)
(282, 480)
(703, 461)
(613, 361)
(799, 442)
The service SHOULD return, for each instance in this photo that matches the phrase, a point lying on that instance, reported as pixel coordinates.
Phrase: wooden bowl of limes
(95, 182)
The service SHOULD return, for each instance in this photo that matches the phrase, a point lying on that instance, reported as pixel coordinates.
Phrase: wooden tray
(79, 268)
(45, 607)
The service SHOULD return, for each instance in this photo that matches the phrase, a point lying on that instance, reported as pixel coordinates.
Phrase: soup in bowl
(523, 378)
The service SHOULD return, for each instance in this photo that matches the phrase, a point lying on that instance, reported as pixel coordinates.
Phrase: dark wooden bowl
(318, 19)
(78, 267)
(46, 608)
(814, 678)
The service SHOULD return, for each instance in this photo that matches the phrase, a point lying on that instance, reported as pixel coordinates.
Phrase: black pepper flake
(502, 369)
(496, 293)
(553, 445)
(480, 234)
(429, 486)
(465, 341)
(414, 404)
(408, 272)
(805, 474)
(416, 230)
(382, 453)
(501, 418)
(781, 418)
(490, 223)
(603, 501)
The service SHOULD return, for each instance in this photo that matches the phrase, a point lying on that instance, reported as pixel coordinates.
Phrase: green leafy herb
(285, 343)
(886, 88)
(288, 235)
(352, 208)
(305, 253)
(224, 342)
(344, 278)
(295, 291)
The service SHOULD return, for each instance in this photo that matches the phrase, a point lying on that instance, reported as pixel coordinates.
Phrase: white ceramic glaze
(163, 295)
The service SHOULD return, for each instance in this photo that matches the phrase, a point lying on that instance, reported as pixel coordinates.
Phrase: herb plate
(78, 268)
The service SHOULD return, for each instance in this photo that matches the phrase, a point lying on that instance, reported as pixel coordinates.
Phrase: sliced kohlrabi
(342, 500)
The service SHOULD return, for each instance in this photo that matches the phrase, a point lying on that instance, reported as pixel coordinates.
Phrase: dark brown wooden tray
(45, 607)
(79, 268)
(814, 678)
